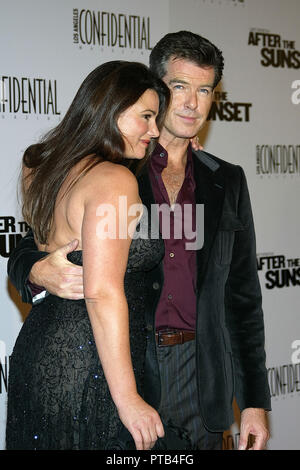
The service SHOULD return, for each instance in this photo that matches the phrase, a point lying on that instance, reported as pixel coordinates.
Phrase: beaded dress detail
(58, 397)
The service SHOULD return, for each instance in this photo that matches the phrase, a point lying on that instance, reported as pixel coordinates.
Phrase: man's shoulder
(218, 165)
(215, 163)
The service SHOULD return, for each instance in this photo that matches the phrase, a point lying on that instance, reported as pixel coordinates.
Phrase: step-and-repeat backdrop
(47, 49)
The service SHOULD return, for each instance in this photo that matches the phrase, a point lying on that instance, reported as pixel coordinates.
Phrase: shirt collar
(159, 160)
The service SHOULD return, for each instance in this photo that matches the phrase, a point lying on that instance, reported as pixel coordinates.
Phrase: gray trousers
(179, 400)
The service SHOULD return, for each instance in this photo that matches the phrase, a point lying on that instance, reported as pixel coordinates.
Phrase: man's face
(192, 93)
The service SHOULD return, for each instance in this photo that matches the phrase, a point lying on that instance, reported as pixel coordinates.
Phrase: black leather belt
(172, 337)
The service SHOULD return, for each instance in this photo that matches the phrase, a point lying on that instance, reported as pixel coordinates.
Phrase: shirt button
(155, 285)
(170, 296)
(162, 154)
(172, 255)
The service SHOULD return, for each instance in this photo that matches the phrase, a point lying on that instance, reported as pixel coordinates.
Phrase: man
(204, 316)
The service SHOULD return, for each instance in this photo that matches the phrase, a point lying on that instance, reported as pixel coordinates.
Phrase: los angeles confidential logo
(284, 379)
(27, 95)
(277, 159)
(107, 29)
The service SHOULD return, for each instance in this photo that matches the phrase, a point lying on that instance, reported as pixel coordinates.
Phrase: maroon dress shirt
(177, 304)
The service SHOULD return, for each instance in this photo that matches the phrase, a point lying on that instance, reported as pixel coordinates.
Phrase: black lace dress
(58, 397)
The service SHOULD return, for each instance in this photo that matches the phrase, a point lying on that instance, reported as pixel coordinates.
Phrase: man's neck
(176, 148)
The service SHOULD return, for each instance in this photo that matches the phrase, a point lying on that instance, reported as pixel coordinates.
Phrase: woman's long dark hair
(88, 128)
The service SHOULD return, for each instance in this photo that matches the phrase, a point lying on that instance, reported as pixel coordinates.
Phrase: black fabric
(20, 262)
(179, 397)
(58, 397)
(230, 354)
(174, 439)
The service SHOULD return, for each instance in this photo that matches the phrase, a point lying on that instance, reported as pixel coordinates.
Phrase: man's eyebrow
(179, 80)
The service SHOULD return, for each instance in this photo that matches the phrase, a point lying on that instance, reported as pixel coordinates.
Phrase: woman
(77, 366)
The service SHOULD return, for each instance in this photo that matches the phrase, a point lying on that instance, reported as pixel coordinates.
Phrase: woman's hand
(196, 143)
(142, 421)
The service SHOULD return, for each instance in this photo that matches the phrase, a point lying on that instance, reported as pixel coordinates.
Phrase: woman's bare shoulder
(106, 168)
(112, 177)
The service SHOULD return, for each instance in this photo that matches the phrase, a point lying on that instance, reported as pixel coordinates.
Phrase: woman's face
(137, 124)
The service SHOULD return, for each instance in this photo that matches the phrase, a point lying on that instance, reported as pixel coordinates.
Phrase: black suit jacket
(230, 354)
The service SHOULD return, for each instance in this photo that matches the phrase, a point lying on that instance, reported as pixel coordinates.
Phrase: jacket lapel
(210, 190)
